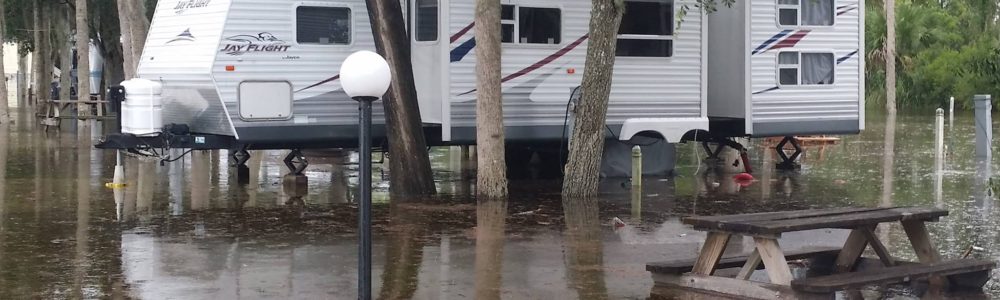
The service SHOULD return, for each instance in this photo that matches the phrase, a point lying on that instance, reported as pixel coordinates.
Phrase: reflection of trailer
(787, 67)
(263, 74)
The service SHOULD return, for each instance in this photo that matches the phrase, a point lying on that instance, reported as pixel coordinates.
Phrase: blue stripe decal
(773, 39)
(845, 58)
(462, 50)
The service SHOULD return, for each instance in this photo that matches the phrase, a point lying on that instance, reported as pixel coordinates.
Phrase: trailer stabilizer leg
(240, 158)
(788, 163)
(296, 162)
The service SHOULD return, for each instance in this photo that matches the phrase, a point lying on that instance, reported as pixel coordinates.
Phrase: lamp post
(365, 78)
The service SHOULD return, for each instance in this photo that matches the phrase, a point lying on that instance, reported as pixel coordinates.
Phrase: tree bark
(587, 140)
(36, 56)
(4, 108)
(491, 223)
(126, 31)
(65, 52)
(890, 56)
(138, 28)
(82, 57)
(410, 166)
(491, 181)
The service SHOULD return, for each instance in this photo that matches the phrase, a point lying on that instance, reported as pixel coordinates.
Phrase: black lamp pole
(365, 207)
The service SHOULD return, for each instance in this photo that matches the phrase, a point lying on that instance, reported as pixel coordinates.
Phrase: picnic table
(767, 228)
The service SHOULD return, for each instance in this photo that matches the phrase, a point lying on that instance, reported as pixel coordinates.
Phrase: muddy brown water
(186, 230)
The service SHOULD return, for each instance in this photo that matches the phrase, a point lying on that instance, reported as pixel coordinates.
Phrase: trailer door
(425, 33)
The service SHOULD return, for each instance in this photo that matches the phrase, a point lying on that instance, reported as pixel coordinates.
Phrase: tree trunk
(587, 140)
(491, 223)
(22, 79)
(65, 53)
(138, 28)
(126, 31)
(36, 57)
(4, 108)
(491, 181)
(403, 252)
(82, 57)
(890, 56)
(410, 166)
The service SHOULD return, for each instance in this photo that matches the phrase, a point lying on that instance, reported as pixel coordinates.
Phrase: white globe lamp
(365, 75)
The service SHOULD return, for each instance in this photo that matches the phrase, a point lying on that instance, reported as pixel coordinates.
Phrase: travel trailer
(265, 72)
(786, 67)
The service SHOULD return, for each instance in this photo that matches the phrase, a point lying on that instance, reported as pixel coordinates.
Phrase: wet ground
(186, 230)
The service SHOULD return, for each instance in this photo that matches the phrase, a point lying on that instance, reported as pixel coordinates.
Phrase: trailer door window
(323, 25)
(647, 29)
(426, 20)
(806, 12)
(796, 68)
(508, 21)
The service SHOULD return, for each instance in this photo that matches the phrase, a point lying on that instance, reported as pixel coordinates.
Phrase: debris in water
(618, 223)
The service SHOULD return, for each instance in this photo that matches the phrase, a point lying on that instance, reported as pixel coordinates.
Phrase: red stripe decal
(462, 32)
(546, 60)
(320, 83)
(791, 41)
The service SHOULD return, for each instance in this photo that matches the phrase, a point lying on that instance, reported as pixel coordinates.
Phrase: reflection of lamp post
(365, 77)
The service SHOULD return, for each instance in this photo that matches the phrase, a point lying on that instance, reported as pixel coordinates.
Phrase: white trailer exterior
(265, 71)
(787, 67)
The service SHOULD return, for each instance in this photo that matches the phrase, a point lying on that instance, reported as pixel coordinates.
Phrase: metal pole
(365, 207)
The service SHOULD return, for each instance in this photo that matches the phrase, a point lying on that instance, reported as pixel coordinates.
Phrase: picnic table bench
(767, 228)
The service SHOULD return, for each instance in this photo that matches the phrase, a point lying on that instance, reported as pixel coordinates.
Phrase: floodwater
(186, 230)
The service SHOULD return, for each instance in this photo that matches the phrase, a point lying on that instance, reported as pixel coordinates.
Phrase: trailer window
(530, 25)
(795, 68)
(426, 20)
(539, 25)
(323, 25)
(806, 12)
(647, 29)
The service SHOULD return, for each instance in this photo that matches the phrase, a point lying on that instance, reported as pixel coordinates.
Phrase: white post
(984, 127)
(939, 140)
(119, 177)
(636, 166)
(951, 113)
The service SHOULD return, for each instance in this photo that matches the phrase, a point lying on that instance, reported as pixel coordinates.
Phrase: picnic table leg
(853, 247)
(916, 231)
(751, 265)
(880, 249)
(774, 261)
(920, 239)
(711, 252)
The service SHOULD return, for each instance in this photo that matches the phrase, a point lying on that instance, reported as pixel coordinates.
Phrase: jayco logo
(245, 43)
(184, 5)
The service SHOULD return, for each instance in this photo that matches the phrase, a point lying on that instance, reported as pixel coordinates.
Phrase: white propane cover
(142, 111)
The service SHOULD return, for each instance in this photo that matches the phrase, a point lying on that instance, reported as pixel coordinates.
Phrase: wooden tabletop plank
(853, 220)
(780, 222)
(711, 221)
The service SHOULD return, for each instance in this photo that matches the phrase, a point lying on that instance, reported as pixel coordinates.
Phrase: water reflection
(584, 248)
(188, 230)
(491, 216)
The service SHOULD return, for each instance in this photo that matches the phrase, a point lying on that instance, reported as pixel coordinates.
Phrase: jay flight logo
(184, 5)
(246, 43)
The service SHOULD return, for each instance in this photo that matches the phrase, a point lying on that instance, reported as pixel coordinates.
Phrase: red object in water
(743, 179)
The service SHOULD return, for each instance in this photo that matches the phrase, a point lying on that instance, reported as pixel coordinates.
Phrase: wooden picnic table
(766, 228)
